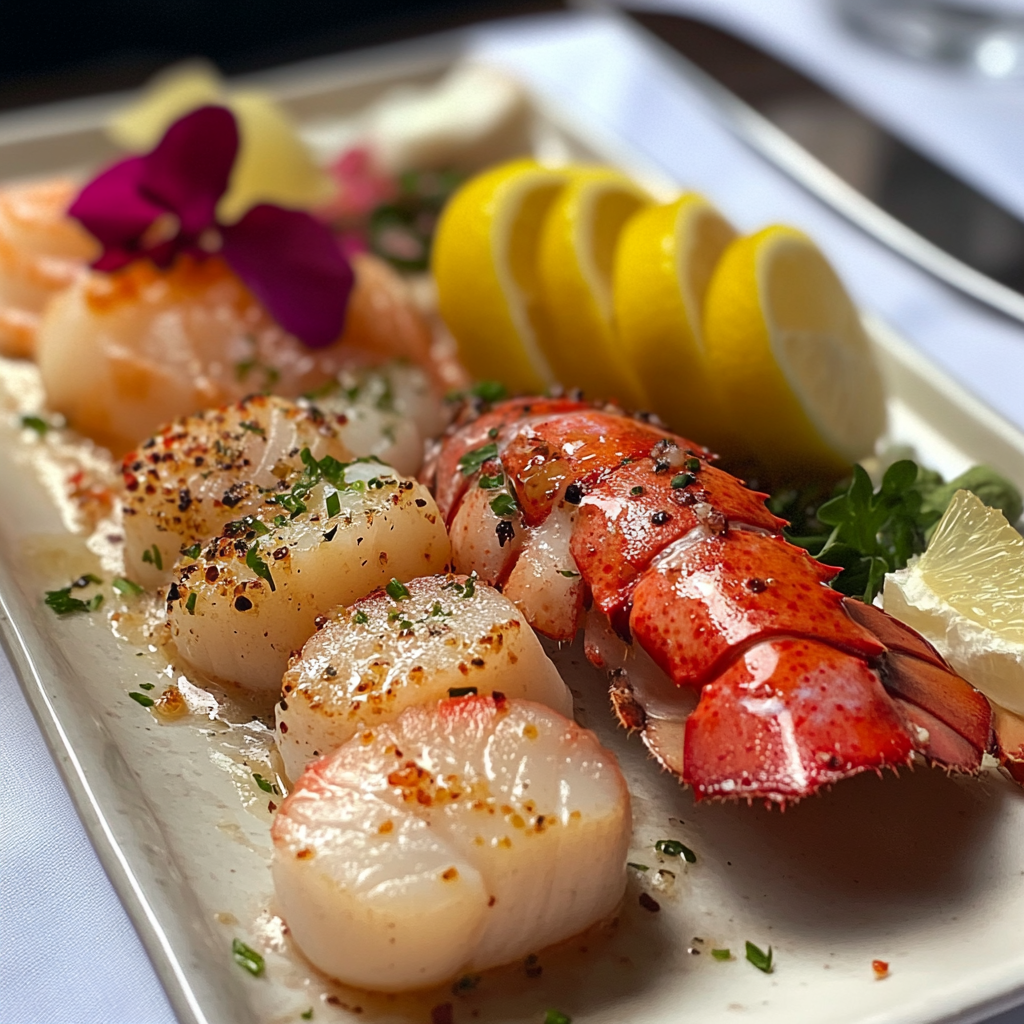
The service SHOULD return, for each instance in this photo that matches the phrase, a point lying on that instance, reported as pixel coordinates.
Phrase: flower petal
(189, 169)
(293, 265)
(112, 209)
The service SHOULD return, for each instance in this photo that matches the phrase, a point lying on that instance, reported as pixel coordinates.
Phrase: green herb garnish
(146, 686)
(868, 533)
(307, 1014)
(470, 587)
(153, 557)
(258, 566)
(759, 958)
(721, 954)
(253, 428)
(141, 698)
(491, 483)
(674, 848)
(63, 603)
(361, 617)
(192, 551)
(190, 604)
(636, 491)
(473, 460)
(462, 691)
(681, 480)
(397, 591)
(333, 504)
(125, 586)
(557, 1017)
(247, 957)
(265, 784)
(36, 423)
(637, 867)
(569, 574)
(504, 505)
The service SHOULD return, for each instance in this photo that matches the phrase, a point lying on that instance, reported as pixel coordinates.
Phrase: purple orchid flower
(163, 204)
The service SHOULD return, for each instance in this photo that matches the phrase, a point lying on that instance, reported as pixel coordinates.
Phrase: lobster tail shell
(776, 684)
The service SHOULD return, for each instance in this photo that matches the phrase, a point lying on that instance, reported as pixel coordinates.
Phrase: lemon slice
(966, 595)
(484, 263)
(791, 361)
(663, 265)
(576, 256)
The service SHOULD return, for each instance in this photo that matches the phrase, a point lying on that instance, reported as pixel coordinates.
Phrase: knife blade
(874, 179)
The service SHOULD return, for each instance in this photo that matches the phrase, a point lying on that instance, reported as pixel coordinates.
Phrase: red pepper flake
(649, 903)
(881, 969)
(442, 1014)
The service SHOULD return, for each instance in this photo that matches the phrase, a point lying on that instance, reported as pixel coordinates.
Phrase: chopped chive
(307, 1014)
(569, 574)
(721, 954)
(125, 586)
(470, 588)
(192, 551)
(397, 590)
(258, 566)
(280, 520)
(473, 460)
(637, 867)
(141, 698)
(333, 504)
(405, 624)
(556, 1017)
(638, 490)
(36, 423)
(190, 604)
(674, 848)
(681, 480)
(253, 428)
(692, 466)
(361, 617)
(265, 784)
(462, 691)
(759, 958)
(153, 557)
(146, 686)
(247, 957)
(63, 603)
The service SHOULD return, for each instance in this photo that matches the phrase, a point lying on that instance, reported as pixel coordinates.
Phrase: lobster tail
(776, 684)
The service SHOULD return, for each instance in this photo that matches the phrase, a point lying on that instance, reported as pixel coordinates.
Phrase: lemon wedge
(966, 595)
(663, 265)
(575, 263)
(790, 358)
(273, 165)
(484, 262)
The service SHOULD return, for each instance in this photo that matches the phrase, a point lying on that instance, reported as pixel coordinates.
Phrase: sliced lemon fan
(663, 266)
(484, 264)
(966, 595)
(794, 367)
(575, 260)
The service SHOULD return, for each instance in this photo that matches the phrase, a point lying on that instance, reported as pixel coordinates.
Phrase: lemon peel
(663, 265)
(965, 594)
(790, 357)
(273, 164)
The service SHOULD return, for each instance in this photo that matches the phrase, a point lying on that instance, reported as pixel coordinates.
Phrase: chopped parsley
(247, 525)
(265, 784)
(473, 460)
(759, 958)
(692, 465)
(141, 698)
(247, 957)
(491, 483)
(63, 603)
(36, 423)
(258, 566)
(146, 686)
(636, 491)
(190, 604)
(470, 588)
(681, 480)
(722, 954)
(192, 551)
(153, 557)
(504, 505)
(674, 848)
(397, 590)
(125, 586)
(328, 468)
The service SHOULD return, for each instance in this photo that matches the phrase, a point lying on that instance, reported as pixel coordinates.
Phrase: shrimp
(409, 645)
(41, 252)
(253, 595)
(448, 840)
(184, 484)
(122, 353)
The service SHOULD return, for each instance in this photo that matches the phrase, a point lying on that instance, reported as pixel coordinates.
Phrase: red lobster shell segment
(774, 685)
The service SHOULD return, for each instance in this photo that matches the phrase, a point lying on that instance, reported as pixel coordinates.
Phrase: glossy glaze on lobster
(776, 684)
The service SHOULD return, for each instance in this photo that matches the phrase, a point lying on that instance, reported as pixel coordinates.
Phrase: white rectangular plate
(924, 871)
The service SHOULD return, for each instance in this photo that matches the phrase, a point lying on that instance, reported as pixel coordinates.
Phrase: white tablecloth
(68, 953)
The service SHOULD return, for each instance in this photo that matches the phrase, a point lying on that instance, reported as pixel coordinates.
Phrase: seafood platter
(462, 577)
